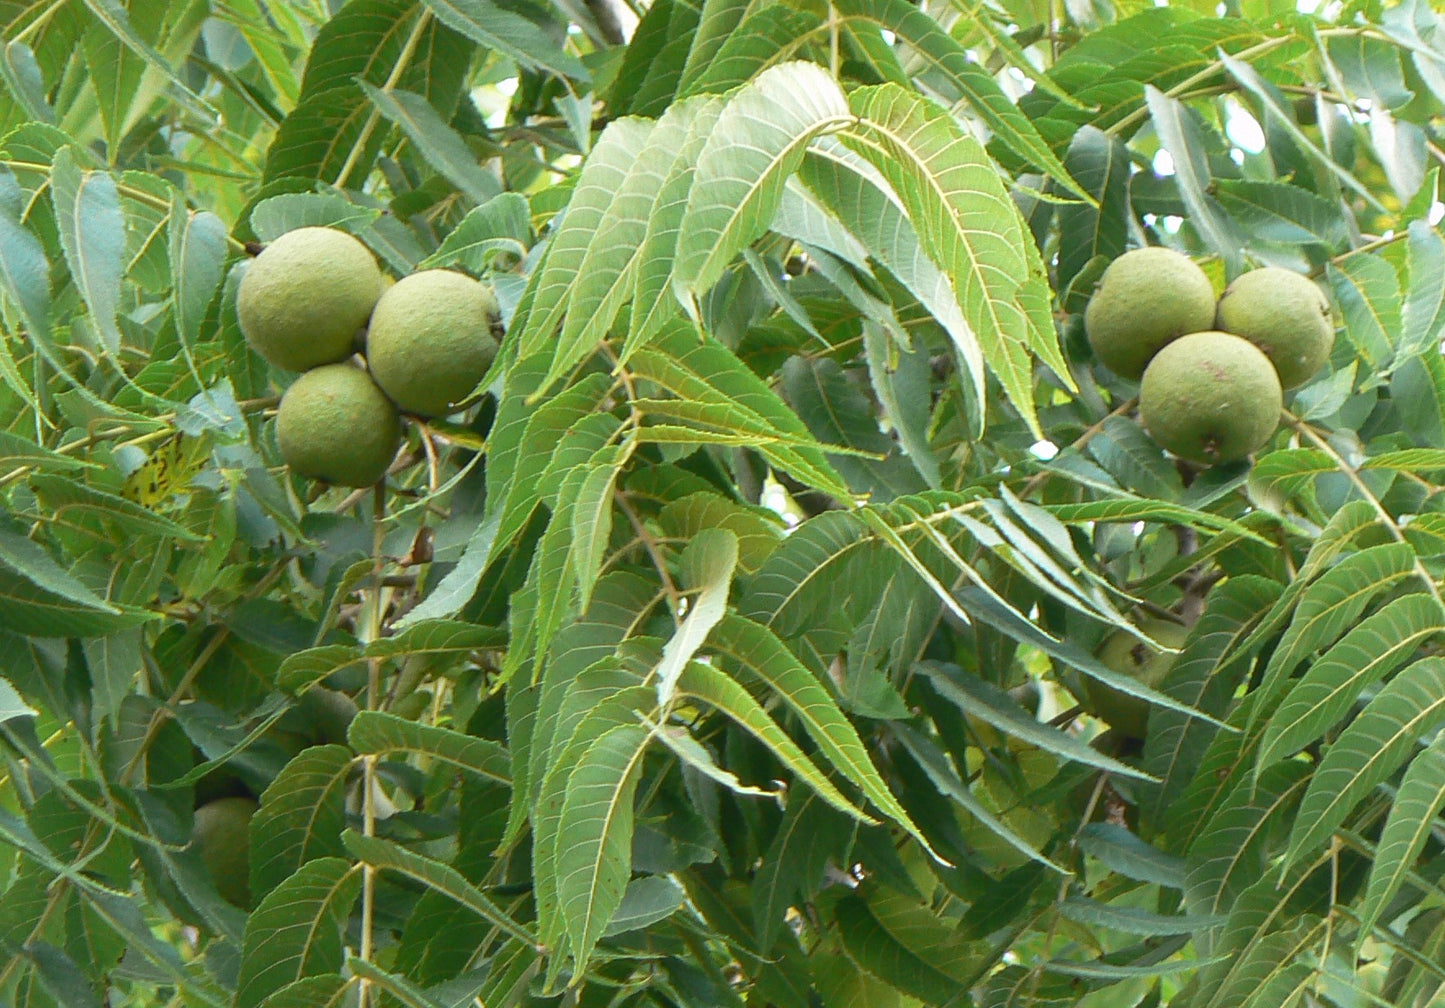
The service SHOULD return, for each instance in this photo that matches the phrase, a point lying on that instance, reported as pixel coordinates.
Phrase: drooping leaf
(757, 141)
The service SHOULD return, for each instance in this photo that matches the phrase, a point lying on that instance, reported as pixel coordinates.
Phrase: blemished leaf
(1418, 801)
(443, 149)
(757, 142)
(1376, 646)
(593, 866)
(1410, 707)
(296, 931)
(92, 232)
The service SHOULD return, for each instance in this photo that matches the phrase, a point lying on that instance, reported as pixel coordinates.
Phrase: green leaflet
(1376, 646)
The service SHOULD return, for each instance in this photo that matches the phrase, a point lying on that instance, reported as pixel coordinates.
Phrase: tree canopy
(790, 609)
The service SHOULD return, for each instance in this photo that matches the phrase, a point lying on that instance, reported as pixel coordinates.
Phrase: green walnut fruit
(329, 713)
(1146, 299)
(431, 341)
(1285, 315)
(304, 297)
(1128, 655)
(220, 836)
(1210, 397)
(334, 424)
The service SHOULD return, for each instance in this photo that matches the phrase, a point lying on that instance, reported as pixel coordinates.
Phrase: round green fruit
(1128, 655)
(304, 297)
(1146, 299)
(334, 424)
(431, 341)
(1285, 315)
(329, 712)
(1210, 397)
(220, 836)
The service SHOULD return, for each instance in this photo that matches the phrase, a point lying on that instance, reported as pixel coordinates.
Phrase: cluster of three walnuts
(429, 339)
(1211, 375)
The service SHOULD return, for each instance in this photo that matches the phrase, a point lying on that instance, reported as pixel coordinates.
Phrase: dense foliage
(727, 648)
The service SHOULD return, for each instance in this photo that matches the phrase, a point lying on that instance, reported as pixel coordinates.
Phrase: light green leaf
(938, 50)
(607, 274)
(198, 258)
(1384, 735)
(604, 174)
(1367, 290)
(500, 225)
(494, 26)
(1329, 606)
(652, 304)
(435, 141)
(968, 226)
(1418, 801)
(1380, 643)
(92, 233)
(604, 698)
(713, 687)
(594, 864)
(708, 562)
(756, 144)
(273, 217)
(763, 656)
